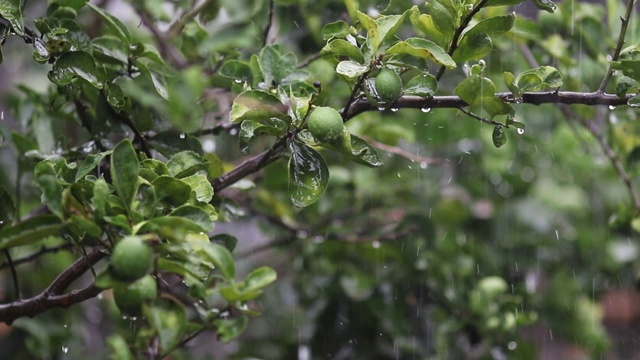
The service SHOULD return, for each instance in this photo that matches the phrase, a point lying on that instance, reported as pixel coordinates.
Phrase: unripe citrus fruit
(129, 298)
(325, 124)
(388, 85)
(132, 258)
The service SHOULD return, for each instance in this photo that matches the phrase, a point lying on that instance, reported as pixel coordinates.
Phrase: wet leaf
(422, 48)
(546, 5)
(338, 49)
(89, 163)
(169, 143)
(237, 70)
(256, 105)
(259, 278)
(308, 174)
(114, 24)
(498, 136)
(124, 171)
(200, 186)
(157, 79)
(195, 214)
(186, 163)
(275, 65)
(12, 11)
(474, 89)
(173, 191)
(337, 29)
(250, 129)
(173, 228)
(625, 84)
(221, 258)
(30, 231)
(364, 153)
(46, 180)
(226, 240)
(473, 47)
(74, 64)
(492, 26)
(351, 69)
(422, 85)
(510, 81)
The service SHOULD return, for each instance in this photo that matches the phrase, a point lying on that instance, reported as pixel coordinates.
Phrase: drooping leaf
(173, 228)
(546, 5)
(89, 163)
(45, 178)
(498, 136)
(169, 143)
(364, 153)
(424, 49)
(124, 171)
(74, 64)
(114, 24)
(157, 79)
(30, 231)
(226, 240)
(308, 174)
(250, 129)
(510, 81)
(425, 24)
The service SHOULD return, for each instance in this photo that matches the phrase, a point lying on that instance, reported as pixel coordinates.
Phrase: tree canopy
(320, 179)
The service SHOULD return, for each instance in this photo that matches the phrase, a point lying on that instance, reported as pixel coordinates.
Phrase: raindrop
(469, 7)
(611, 107)
(425, 109)
(609, 57)
(551, 334)
(233, 132)
(518, 100)
(65, 326)
(423, 165)
(183, 135)
(376, 244)
(302, 234)
(512, 345)
(381, 108)
(399, 175)
(237, 81)
(1, 115)
(520, 131)
(65, 349)
(557, 235)
(394, 109)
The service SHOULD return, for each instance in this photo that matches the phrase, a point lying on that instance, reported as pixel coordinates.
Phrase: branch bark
(53, 296)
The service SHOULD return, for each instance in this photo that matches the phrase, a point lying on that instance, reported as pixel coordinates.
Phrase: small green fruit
(325, 124)
(388, 85)
(129, 298)
(132, 258)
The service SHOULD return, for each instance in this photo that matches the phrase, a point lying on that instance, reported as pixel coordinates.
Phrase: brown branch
(620, 44)
(405, 154)
(36, 255)
(267, 28)
(53, 296)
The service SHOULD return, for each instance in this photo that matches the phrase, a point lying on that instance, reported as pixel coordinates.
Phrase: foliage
(148, 137)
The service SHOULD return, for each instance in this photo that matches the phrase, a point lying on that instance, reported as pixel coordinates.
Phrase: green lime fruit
(388, 85)
(325, 124)
(129, 298)
(132, 258)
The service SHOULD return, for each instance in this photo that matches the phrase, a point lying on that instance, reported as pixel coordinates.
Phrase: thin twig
(308, 60)
(458, 33)
(267, 28)
(36, 255)
(616, 54)
(177, 27)
(14, 274)
(404, 153)
(481, 119)
(167, 50)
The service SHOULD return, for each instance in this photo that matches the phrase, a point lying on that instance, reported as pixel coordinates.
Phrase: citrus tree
(432, 180)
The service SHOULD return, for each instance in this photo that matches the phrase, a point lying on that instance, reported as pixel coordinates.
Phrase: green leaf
(422, 85)
(259, 278)
(229, 329)
(442, 20)
(74, 64)
(337, 29)
(237, 70)
(529, 81)
(124, 171)
(114, 24)
(221, 258)
(546, 5)
(157, 79)
(195, 214)
(12, 11)
(101, 192)
(498, 136)
(87, 225)
(503, 2)
(46, 180)
(473, 47)
(495, 106)
(492, 26)
(634, 101)
(256, 105)
(89, 163)
(308, 174)
(175, 229)
(510, 81)
(150, 169)
(338, 49)
(625, 84)
(474, 89)
(364, 153)
(186, 163)
(169, 143)
(550, 76)
(173, 191)
(250, 129)
(425, 24)
(422, 48)
(7, 210)
(351, 69)
(200, 186)
(118, 348)
(226, 240)
(275, 65)
(169, 319)
(30, 231)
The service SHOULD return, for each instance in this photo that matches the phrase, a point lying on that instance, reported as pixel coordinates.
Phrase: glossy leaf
(255, 105)
(250, 129)
(173, 228)
(546, 5)
(422, 85)
(226, 240)
(338, 49)
(259, 278)
(308, 174)
(195, 214)
(498, 136)
(12, 11)
(74, 64)
(186, 163)
(200, 186)
(30, 231)
(510, 81)
(351, 69)
(173, 191)
(625, 84)
(89, 163)
(364, 153)
(169, 143)
(157, 79)
(425, 24)
(169, 320)
(337, 29)
(276, 65)
(424, 49)
(114, 24)
(237, 70)
(124, 171)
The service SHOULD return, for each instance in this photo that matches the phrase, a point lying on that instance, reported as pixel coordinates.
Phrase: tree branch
(53, 296)
(616, 54)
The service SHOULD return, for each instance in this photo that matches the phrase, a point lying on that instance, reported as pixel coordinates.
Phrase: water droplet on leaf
(611, 107)
(425, 110)
(520, 131)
